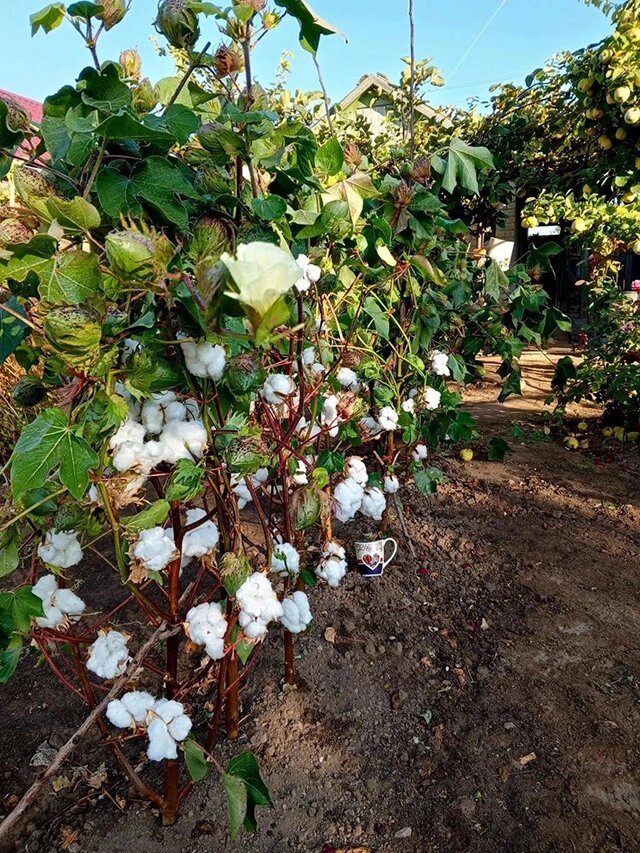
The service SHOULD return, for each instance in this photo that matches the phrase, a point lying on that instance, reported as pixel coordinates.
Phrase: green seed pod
(134, 256)
(113, 11)
(13, 231)
(18, 119)
(210, 239)
(245, 455)
(32, 185)
(29, 391)
(178, 23)
(244, 374)
(144, 96)
(74, 334)
(131, 63)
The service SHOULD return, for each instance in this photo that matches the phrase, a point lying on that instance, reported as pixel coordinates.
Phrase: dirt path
(486, 698)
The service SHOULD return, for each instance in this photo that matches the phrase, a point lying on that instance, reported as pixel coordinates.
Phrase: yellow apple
(632, 116)
(622, 94)
(605, 143)
(572, 443)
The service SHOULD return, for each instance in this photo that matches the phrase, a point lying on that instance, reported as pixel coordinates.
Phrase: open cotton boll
(241, 491)
(202, 540)
(330, 417)
(131, 709)
(258, 605)
(59, 605)
(310, 273)
(61, 550)
(348, 379)
(373, 504)
(431, 398)
(285, 560)
(155, 548)
(300, 477)
(204, 360)
(278, 388)
(260, 477)
(183, 440)
(357, 470)
(391, 484)
(296, 615)
(388, 418)
(420, 452)
(409, 406)
(347, 499)
(206, 626)
(169, 725)
(439, 363)
(333, 564)
(109, 655)
(370, 427)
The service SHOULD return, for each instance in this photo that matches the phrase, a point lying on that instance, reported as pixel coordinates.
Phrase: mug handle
(395, 551)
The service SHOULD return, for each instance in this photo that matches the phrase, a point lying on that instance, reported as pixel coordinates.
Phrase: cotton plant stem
(32, 794)
(232, 704)
(325, 96)
(403, 525)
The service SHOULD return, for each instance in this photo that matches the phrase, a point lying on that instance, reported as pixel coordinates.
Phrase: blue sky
(517, 41)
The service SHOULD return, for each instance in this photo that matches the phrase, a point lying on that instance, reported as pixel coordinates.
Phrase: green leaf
(196, 759)
(9, 556)
(160, 182)
(270, 207)
(84, 10)
(104, 89)
(182, 122)
(37, 451)
(152, 516)
(245, 648)
(118, 194)
(77, 459)
(72, 280)
(462, 164)
(48, 18)
(332, 461)
(76, 216)
(312, 26)
(495, 280)
(427, 481)
(186, 482)
(12, 330)
(513, 385)
(379, 317)
(497, 450)
(236, 792)
(18, 608)
(9, 659)
(307, 509)
(126, 126)
(330, 157)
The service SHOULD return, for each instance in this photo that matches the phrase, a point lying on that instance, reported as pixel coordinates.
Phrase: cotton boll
(161, 744)
(347, 498)
(310, 273)
(129, 431)
(175, 411)
(370, 428)
(203, 539)
(333, 564)
(296, 615)
(278, 389)
(206, 626)
(152, 417)
(155, 549)
(204, 359)
(118, 715)
(242, 493)
(357, 470)
(391, 484)
(308, 356)
(109, 655)
(285, 560)
(432, 398)
(300, 477)
(183, 440)
(388, 418)
(373, 504)
(61, 550)
(409, 406)
(329, 417)
(69, 602)
(131, 709)
(348, 379)
(420, 452)
(439, 363)
(168, 724)
(258, 605)
(260, 477)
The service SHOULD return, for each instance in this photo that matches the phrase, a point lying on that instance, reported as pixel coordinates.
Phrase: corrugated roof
(34, 108)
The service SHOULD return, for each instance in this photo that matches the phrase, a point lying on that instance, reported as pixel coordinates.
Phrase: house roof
(34, 108)
(384, 85)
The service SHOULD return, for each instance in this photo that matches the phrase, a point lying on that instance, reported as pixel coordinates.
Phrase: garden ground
(484, 697)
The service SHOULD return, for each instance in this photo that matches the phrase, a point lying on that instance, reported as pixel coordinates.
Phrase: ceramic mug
(370, 557)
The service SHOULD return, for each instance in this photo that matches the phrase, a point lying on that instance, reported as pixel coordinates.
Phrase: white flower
(391, 484)
(420, 452)
(59, 605)
(409, 406)
(285, 560)
(206, 626)
(109, 655)
(431, 398)
(262, 273)
(373, 504)
(204, 360)
(258, 605)
(439, 363)
(296, 615)
(310, 273)
(155, 548)
(333, 564)
(278, 389)
(347, 499)
(200, 541)
(61, 550)
(357, 470)
(169, 725)
(348, 379)
(370, 427)
(388, 418)
(130, 710)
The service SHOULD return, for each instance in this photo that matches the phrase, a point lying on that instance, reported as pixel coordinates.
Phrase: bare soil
(482, 698)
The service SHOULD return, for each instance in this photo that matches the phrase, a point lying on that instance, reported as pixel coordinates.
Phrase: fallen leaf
(330, 635)
(427, 716)
(60, 783)
(68, 836)
(44, 755)
(403, 833)
(97, 779)
(527, 759)
(484, 625)
(426, 662)
(462, 678)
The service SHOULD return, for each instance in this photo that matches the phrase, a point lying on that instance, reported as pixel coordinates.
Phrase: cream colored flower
(262, 272)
